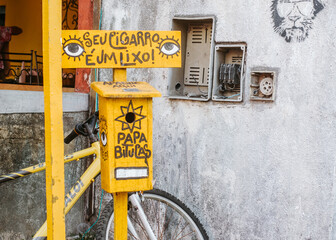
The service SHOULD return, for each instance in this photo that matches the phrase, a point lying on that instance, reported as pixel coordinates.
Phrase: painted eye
(73, 47)
(103, 139)
(169, 47)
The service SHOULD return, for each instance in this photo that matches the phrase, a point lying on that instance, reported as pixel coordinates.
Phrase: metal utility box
(125, 123)
(193, 80)
(229, 73)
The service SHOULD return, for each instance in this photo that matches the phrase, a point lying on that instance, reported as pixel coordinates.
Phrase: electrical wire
(101, 200)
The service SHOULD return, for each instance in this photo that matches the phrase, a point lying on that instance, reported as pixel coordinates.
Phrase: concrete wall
(22, 201)
(16, 101)
(252, 170)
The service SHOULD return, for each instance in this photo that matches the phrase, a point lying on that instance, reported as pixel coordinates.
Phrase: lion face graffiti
(294, 18)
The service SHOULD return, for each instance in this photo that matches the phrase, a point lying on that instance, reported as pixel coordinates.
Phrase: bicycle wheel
(168, 217)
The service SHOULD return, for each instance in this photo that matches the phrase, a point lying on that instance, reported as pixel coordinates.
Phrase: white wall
(252, 170)
(13, 101)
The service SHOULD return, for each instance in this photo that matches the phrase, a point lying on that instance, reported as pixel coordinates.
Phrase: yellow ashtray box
(125, 123)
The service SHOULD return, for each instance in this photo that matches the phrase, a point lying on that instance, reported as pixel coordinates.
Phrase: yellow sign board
(121, 49)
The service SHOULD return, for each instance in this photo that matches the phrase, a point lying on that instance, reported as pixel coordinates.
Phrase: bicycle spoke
(167, 217)
(166, 225)
(139, 223)
(181, 231)
(186, 235)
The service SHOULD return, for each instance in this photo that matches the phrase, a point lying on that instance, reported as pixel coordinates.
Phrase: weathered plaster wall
(251, 170)
(22, 202)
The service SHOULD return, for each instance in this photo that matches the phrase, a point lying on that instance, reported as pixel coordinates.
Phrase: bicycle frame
(79, 188)
(76, 191)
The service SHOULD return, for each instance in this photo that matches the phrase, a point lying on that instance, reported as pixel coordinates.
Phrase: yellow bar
(54, 148)
(119, 75)
(120, 200)
(68, 158)
(78, 189)
(120, 215)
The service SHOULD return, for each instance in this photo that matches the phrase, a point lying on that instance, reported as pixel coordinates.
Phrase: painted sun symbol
(73, 47)
(131, 117)
(169, 47)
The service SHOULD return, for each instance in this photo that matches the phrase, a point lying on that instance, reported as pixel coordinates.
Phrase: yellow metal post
(119, 75)
(54, 148)
(120, 200)
(120, 215)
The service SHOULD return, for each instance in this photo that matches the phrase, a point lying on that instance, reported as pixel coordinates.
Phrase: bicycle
(153, 214)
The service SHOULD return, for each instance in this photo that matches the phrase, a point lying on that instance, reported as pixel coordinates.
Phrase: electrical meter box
(125, 126)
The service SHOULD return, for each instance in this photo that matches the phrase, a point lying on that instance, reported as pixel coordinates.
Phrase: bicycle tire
(168, 227)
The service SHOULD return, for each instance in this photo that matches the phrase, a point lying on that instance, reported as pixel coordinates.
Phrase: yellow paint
(120, 203)
(119, 75)
(125, 89)
(54, 148)
(28, 16)
(121, 49)
(87, 178)
(125, 118)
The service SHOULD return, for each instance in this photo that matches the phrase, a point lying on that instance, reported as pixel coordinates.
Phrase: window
(21, 62)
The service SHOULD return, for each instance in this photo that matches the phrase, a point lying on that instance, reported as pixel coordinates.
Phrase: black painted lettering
(109, 58)
(103, 41)
(128, 64)
(127, 57)
(155, 37)
(88, 60)
(136, 57)
(136, 136)
(100, 61)
(142, 138)
(148, 38)
(107, 83)
(133, 40)
(112, 34)
(121, 136)
(124, 39)
(128, 139)
(137, 150)
(148, 152)
(140, 38)
(145, 57)
(95, 39)
(141, 152)
(117, 152)
(131, 152)
(128, 151)
(88, 41)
